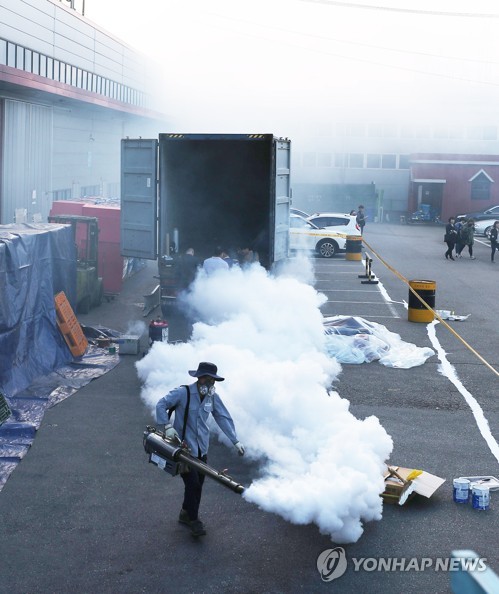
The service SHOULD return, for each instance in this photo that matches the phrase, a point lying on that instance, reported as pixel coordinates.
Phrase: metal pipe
(155, 443)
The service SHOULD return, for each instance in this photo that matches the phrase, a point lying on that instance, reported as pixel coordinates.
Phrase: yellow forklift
(89, 286)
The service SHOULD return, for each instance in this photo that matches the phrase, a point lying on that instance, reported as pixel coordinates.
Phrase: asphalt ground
(84, 512)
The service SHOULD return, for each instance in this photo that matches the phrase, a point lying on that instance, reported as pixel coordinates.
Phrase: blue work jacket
(197, 432)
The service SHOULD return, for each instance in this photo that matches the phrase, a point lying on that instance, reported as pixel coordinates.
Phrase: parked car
(298, 212)
(492, 212)
(484, 227)
(346, 223)
(304, 235)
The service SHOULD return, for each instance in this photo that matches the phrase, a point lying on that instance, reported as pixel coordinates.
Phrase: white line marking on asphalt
(388, 299)
(358, 302)
(449, 371)
(349, 291)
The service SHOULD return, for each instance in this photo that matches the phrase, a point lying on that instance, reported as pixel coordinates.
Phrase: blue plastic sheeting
(36, 262)
(29, 406)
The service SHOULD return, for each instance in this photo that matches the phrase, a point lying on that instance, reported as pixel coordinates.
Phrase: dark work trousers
(494, 246)
(450, 248)
(470, 249)
(193, 481)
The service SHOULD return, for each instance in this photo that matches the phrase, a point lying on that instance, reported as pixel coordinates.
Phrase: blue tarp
(36, 262)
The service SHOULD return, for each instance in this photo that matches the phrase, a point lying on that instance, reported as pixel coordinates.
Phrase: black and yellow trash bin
(353, 247)
(417, 311)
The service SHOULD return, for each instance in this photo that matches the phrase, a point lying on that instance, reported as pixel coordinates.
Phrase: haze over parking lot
(288, 66)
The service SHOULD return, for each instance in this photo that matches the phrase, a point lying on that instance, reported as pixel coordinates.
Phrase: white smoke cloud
(320, 464)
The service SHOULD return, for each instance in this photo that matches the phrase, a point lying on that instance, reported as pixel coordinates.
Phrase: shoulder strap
(186, 411)
(170, 411)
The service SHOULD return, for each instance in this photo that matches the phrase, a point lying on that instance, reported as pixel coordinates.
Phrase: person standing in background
(361, 218)
(450, 238)
(216, 262)
(459, 242)
(468, 238)
(494, 239)
(187, 268)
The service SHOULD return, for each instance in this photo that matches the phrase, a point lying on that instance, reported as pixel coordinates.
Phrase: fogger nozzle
(169, 454)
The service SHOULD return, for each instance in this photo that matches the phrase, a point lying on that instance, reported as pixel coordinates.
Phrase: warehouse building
(69, 92)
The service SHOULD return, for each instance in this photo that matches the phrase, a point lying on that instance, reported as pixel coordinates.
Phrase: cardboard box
(401, 486)
(128, 344)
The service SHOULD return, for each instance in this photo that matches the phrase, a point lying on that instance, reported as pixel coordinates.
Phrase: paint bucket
(353, 247)
(461, 490)
(480, 497)
(417, 312)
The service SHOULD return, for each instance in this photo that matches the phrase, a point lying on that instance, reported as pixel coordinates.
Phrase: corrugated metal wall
(27, 160)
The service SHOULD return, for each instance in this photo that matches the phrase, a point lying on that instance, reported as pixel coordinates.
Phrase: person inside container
(227, 257)
(188, 266)
(247, 256)
(193, 405)
(216, 262)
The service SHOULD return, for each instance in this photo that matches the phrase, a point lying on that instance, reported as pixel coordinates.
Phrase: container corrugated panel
(67, 207)
(27, 141)
(111, 266)
(109, 221)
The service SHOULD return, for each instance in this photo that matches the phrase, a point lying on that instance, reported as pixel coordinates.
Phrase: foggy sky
(233, 66)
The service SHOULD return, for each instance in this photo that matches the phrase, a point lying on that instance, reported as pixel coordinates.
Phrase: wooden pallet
(69, 326)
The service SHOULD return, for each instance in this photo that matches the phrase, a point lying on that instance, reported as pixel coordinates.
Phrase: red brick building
(453, 184)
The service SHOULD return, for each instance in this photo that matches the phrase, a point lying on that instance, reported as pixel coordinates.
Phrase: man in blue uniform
(193, 405)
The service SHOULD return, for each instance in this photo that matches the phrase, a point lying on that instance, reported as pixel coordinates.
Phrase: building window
(62, 194)
(373, 161)
(324, 160)
(19, 57)
(57, 73)
(11, 55)
(35, 69)
(404, 162)
(423, 132)
(480, 188)
(309, 160)
(340, 160)
(355, 130)
(407, 132)
(356, 160)
(43, 66)
(389, 131)
(88, 191)
(340, 129)
(23, 58)
(388, 161)
(375, 130)
(28, 61)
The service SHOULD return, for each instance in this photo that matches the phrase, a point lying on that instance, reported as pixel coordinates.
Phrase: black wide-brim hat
(205, 368)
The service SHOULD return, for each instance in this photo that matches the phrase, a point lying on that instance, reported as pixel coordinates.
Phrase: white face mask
(205, 390)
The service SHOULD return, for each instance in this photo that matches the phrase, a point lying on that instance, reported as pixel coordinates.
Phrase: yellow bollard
(353, 247)
(417, 311)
